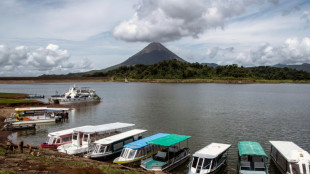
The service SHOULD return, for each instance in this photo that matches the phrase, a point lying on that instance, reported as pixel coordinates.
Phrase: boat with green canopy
(252, 158)
(172, 154)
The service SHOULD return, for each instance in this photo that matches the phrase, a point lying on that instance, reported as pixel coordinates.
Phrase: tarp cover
(250, 148)
(141, 143)
(169, 140)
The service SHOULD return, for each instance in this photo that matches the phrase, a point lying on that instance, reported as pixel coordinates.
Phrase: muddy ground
(38, 160)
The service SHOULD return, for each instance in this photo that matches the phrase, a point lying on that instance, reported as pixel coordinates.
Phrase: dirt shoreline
(39, 160)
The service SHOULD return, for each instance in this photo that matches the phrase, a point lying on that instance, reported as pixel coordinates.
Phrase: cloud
(21, 61)
(292, 51)
(164, 21)
(290, 10)
(217, 51)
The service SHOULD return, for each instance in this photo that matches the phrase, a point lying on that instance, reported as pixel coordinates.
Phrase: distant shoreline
(21, 80)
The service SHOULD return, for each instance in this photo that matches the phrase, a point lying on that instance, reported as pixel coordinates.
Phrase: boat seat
(245, 165)
(259, 166)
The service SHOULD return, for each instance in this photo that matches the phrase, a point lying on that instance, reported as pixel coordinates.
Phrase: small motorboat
(11, 127)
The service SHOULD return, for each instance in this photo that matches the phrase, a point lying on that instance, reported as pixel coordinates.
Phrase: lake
(222, 113)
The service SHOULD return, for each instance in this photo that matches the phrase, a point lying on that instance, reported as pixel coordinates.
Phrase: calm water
(220, 113)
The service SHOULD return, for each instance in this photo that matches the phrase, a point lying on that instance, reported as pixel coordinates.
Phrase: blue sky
(61, 36)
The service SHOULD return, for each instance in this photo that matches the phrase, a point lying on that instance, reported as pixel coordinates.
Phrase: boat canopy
(290, 151)
(103, 127)
(121, 136)
(169, 140)
(251, 148)
(65, 132)
(41, 109)
(141, 143)
(212, 150)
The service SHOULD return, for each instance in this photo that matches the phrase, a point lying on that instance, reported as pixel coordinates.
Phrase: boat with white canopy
(138, 150)
(209, 159)
(36, 115)
(289, 157)
(83, 138)
(171, 156)
(252, 158)
(75, 95)
(55, 139)
(113, 145)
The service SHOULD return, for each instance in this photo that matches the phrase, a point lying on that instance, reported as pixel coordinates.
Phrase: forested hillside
(174, 69)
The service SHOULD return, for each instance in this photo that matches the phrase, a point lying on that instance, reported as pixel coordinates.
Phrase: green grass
(7, 171)
(112, 170)
(12, 101)
(11, 95)
(4, 151)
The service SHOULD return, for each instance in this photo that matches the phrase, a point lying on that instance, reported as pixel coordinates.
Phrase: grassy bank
(230, 81)
(15, 98)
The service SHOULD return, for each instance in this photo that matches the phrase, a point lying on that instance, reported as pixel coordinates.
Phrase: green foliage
(3, 151)
(174, 69)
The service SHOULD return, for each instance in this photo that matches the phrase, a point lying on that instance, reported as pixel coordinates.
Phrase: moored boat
(75, 95)
(289, 157)
(83, 138)
(55, 139)
(113, 145)
(209, 159)
(133, 152)
(36, 115)
(171, 156)
(252, 158)
(11, 127)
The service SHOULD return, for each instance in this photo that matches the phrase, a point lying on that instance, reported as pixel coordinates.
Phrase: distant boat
(11, 127)
(252, 158)
(36, 115)
(289, 157)
(75, 95)
(209, 159)
(126, 79)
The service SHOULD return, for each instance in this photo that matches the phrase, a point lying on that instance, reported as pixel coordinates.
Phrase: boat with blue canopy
(138, 150)
(252, 158)
(172, 154)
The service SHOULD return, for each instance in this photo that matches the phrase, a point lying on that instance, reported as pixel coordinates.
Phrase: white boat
(289, 157)
(133, 152)
(55, 139)
(171, 156)
(83, 138)
(36, 115)
(113, 145)
(209, 159)
(75, 95)
(252, 158)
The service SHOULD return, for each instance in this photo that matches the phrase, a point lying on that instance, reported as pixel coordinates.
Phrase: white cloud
(60, 19)
(20, 61)
(164, 21)
(293, 51)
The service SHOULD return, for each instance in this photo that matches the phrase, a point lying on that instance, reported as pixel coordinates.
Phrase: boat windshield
(75, 135)
(132, 154)
(50, 139)
(99, 148)
(201, 163)
(295, 168)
